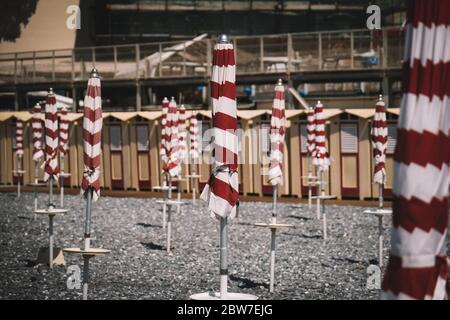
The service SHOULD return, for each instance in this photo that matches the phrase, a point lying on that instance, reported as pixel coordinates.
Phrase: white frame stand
(323, 213)
(51, 212)
(194, 178)
(380, 213)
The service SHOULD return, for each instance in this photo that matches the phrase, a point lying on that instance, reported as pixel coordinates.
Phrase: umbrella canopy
(164, 138)
(193, 135)
(19, 138)
(277, 133)
(51, 137)
(417, 266)
(221, 193)
(63, 131)
(92, 127)
(311, 134)
(172, 146)
(321, 158)
(379, 142)
(36, 124)
(182, 133)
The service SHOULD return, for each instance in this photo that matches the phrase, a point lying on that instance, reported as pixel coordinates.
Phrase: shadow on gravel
(152, 246)
(148, 225)
(302, 235)
(349, 260)
(247, 283)
(299, 217)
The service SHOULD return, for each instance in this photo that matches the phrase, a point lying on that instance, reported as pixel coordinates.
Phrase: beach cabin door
(115, 140)
(349, 159)
(143, 156)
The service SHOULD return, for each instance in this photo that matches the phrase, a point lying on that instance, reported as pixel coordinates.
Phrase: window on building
(349, 138)
(142, 138)
(303, 138)
(115, 138)
(392, 138)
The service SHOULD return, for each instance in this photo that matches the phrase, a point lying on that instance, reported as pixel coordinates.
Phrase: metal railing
(282, 53)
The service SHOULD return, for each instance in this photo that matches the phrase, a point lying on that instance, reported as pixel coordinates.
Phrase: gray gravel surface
(140, 268)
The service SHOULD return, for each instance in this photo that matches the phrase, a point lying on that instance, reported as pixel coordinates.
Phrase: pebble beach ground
(140, 268)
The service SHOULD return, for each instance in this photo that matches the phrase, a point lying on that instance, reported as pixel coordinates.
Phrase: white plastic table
(323, 213)
(51, 212)
(380, 214)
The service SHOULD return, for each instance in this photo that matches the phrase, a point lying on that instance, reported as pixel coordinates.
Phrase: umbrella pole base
(216, 296)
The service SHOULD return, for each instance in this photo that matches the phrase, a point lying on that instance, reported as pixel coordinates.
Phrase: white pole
(274, 204)
(85, 277)
(272, 260)
(223, 258)
(50, 193)
(50, 234)
(61, 200)
(309, 182)
(324, 216)
(36, 181)
(380, 240)
(18, 175)
(169, 223)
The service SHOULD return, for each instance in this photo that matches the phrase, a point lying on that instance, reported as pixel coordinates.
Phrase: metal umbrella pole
(273, 239)
(309, 182)
(36, 181)
(87, 243)
(223, 258)
(169, 213)
(61, 195)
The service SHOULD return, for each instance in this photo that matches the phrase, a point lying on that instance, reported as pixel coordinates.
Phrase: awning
(251, 114)
(5, 115)
(361, 113)
(71, 117)
(122, 116)
(150, 115)
(330, 113)
(205, 113)
(395, 111)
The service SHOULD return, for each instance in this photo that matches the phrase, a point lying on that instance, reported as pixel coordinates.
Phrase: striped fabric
(221, 193)
(310, 129)
(379, 142)
(63, 131)
(36, 123)
(417, 266)
(320, 155)
(172, 146)
(19, 138)
(51, 138)
(92, 127)
(193, 135)
(164, 138)
(277, 132)
(182, 133)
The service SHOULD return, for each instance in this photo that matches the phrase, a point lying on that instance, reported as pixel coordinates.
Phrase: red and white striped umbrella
(379, 142)
(51, 137)
(277, 133)
(36, 124)
(321, 158)
(172, 146)
(182, 133)
(92, 126)
(63, 131)
(164, 138)
(221, 193)
(310, 130)
(19, 138)
(417, 266)
(193, 136)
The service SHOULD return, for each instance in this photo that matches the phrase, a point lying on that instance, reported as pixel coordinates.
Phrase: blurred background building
(146, 50)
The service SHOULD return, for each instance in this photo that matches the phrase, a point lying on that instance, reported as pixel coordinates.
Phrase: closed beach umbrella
(164, 138)
(172, 145)
(51, 138)
(193, 136)
(36, 123)
(63, 132)
(379, 144)
(321, 158)
(418, 267)
(277, 133)
(182, 133)
(92, 126)
(19, 138)
(310, 130)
